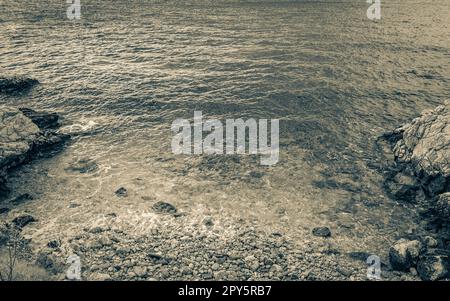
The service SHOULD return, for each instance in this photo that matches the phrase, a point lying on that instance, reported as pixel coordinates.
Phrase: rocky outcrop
(425, 145)
(16, 84)
(421, 175)
(25, 134)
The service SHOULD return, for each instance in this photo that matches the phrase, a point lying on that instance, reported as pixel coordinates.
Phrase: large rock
(404, 254)
(425, 145)
(442, 206)
(21, 139)
(16, 84)
(431, 268)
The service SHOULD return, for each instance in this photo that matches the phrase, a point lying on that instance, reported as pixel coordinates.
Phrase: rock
(54, 244)
(82, 166)
(431, 268)
(23, 220)
(122, 192)
(430, 242)
(50, 263)
(403, 187)
(4, 210)
(425, 145)
(321, 232)
(208, 221)
(140, 271)
(442, 206)
(404, 254)
(43, 120)
(100, 277)
(16, 84)
(21, 140)
(22, 198)
(165, 208)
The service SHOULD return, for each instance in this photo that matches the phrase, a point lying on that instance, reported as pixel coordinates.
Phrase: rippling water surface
(127, 69)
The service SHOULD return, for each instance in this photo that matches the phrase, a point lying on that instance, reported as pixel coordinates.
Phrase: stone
(430, 242)
(432, 268)
(21, 140)
(82, 166)
(163, 207)
(122, 192)
(140, 271)
(403, 187)
(404, 254)
(208, 221)
(99, 277)
(4, 210)
(321, 232)
(54, 244)
(23, 220)
(43, 120)
(442, 206)
(425, 145)
(16, 84)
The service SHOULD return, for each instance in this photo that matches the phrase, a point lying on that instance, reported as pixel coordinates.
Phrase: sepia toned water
(127, 69)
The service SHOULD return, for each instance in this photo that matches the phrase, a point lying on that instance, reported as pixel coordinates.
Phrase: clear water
(127, 69)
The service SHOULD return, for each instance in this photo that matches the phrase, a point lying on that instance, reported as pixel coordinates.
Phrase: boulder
(404, 254)
(16, 84)
(431, 268)
(425, 145)
(21, 139)
(23, 220)
(442, 206)
(321, 232)
(165, 208)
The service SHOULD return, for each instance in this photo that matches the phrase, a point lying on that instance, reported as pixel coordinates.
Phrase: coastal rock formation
(421, 174)
(425, 144)
(23, 135)
(16, 84)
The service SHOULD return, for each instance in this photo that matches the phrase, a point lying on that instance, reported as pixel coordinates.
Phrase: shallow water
(126, 70)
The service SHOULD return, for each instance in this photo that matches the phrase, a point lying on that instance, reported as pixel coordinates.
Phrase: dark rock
(442, 206)
(321, 232)
(50, 263)
(208, 221)
(163, 207)
(4, 210)
(122, 192)
(16, 84)
(403, 187)
(404, 254)
(43, 120)
(431, 268)
(23, 220)
(22, 198)
(54, 244)
(82, 166)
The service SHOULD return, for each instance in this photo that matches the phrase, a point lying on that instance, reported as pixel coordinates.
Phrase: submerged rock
(16, 84)
(23, 220)
(404, 254)
(121, 192)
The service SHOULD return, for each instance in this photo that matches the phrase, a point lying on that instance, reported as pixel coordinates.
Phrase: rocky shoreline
(418, 172)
